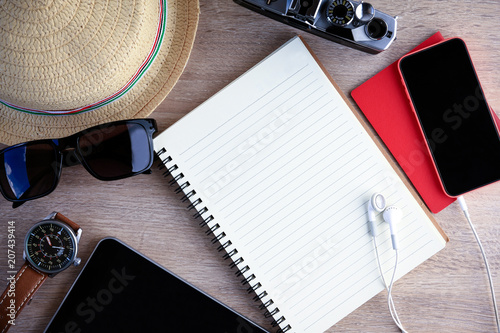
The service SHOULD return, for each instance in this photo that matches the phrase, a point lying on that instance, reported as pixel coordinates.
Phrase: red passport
(385, 104)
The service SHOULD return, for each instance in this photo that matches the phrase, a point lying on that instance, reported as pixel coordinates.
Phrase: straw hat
(66, 65)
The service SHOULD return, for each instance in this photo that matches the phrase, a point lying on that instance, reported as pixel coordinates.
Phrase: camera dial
(364, 12)
(340, 12)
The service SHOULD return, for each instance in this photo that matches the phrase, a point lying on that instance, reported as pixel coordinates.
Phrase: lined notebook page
(286, 170)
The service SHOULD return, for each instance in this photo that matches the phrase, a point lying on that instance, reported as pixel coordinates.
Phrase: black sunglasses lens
(118, 151)
(28, 171)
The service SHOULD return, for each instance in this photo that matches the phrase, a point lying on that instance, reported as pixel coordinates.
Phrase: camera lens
(376, 28)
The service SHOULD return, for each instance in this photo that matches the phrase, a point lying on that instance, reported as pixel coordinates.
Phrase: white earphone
(392, 215)
(376, 204)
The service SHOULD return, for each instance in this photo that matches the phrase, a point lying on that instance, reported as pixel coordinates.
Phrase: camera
(352, 23)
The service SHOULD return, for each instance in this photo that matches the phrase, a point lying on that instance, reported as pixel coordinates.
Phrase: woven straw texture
(59, 55)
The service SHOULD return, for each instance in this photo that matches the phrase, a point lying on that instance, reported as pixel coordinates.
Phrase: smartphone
(453, 114)
(121, 290)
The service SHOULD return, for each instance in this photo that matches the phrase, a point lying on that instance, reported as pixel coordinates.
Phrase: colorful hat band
(160, 32)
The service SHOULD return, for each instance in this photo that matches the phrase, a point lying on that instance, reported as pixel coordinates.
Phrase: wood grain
(448, 293)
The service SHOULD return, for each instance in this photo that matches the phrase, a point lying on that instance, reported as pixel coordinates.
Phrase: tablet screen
(120, 290)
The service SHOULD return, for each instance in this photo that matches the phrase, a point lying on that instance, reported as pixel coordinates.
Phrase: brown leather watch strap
(23, 285)
(19, 291)
(64, 219)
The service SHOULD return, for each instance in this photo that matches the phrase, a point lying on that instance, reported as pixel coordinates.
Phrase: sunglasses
(109, 151)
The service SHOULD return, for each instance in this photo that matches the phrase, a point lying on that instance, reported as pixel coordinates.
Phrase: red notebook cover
(384, 102)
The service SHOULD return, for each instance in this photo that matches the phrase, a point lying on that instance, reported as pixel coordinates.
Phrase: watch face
(50, 246)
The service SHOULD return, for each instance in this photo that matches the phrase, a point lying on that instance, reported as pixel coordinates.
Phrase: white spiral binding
(213, 228)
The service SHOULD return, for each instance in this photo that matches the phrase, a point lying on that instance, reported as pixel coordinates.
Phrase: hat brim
(139, 102)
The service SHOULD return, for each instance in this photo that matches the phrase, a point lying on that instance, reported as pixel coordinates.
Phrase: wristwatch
(50, 247)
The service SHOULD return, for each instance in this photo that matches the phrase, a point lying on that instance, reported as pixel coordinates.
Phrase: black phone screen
(120, 290)
(453, 115)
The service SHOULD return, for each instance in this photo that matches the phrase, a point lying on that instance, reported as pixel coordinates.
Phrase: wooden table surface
(448, 293)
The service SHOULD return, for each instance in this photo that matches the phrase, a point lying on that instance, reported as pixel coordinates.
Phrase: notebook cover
(384, 102)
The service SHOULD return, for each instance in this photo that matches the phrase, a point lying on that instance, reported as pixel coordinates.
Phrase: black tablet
(121, 290)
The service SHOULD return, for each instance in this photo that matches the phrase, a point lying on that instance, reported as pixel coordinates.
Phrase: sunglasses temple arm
(17, 204)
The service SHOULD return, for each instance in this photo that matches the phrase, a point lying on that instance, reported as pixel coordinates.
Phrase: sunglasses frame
(69, 147)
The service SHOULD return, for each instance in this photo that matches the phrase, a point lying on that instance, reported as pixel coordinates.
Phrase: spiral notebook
(280, 169)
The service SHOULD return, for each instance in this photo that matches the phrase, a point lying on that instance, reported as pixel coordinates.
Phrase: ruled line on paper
(285, 185)
(284, 162)
(232, 139)
(368, 248)
(296, 230)
(318, 224)
(276, 129)
(285, 206)
(246, 169)
(339, 221)
(321, 286)
(326, 219)
(361, 287)
(307, 180)
(358, 239)
(216, 129)
(276, 275)
(280, 160)
(368, 244)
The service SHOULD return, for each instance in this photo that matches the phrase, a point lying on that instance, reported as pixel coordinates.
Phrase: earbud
(393, 216)
(376, 204)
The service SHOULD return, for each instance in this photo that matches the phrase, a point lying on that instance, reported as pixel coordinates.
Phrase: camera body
(352, 23)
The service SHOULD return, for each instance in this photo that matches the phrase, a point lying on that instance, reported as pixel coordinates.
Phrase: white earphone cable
(390, 301)
(389, 294)
(463, 205)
